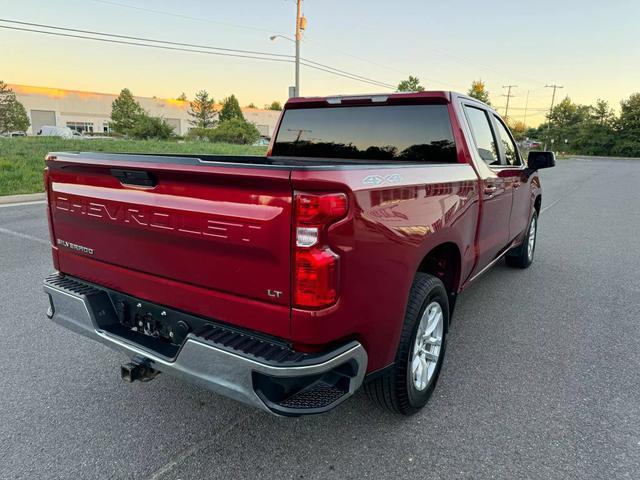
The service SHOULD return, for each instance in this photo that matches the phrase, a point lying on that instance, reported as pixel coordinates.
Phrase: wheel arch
(444, 262)
(537, 203)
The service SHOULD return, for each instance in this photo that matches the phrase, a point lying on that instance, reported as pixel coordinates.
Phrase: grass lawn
(22, 159)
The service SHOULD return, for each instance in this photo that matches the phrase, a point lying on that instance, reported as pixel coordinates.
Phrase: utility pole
(508, 95)
(553, 99)
(300, 132)
(526, 106)
(298, 38)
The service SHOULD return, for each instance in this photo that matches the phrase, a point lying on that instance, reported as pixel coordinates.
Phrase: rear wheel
(407, 386)
(522, 255)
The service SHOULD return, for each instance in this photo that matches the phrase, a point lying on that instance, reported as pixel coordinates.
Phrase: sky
(591, 48)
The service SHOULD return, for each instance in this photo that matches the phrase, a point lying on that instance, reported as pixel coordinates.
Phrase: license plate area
(151, 321)
(151, 326)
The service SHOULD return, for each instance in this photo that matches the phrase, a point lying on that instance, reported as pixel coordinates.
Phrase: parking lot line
(24, 235)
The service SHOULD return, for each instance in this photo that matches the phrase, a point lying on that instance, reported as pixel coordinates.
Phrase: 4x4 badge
(380, 179)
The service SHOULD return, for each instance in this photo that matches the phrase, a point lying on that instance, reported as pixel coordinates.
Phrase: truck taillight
(316, 270)
(320, 209)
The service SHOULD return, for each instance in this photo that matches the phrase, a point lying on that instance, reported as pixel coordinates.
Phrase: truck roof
(434, 96)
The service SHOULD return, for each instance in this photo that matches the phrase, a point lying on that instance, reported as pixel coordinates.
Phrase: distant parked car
(63, 132)
(532, 144)
(14, 134)
(262, 142)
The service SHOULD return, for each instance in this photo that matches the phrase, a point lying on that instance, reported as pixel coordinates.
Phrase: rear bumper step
(234, 363)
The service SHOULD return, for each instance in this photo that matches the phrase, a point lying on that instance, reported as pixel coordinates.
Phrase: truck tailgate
(198, 238)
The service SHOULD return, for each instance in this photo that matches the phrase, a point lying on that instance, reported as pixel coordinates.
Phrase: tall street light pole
(298, 38)
(301, 24)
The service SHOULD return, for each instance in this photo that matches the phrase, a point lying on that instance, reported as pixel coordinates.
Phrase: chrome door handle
(490, 190)
(516, 184)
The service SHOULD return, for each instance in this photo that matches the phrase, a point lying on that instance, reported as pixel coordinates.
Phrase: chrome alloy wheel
(531, 241)
(427, 346)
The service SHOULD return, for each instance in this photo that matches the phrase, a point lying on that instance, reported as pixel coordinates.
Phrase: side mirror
(538, 160)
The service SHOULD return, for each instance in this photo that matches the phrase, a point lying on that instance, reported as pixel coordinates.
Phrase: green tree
(235, 130)
(275, 105)
(125, 111)
(13, 116)
(230, 109)
(479, 91)
(596, 132)
(182, 97)
(202, 111)
(252, 105)
(602, 113)
(412, 84)
(533, 133)
(566, 113)
(563, 126)
(628, 127)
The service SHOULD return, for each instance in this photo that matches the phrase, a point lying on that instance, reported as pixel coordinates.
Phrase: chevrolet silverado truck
(289, 281)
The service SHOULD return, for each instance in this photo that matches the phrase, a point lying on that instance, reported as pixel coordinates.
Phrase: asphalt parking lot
(541, 378)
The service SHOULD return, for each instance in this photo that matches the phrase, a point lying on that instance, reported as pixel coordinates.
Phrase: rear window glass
(400, 132)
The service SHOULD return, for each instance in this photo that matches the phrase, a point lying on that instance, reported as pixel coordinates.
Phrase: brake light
(316, 270)
(320, 208)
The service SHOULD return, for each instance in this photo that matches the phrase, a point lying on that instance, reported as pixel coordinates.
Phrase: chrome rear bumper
(312, 384)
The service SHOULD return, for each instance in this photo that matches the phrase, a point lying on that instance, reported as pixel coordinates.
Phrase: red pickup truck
(290, 280)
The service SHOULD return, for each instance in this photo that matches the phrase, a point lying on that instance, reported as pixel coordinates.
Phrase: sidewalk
(29, 197)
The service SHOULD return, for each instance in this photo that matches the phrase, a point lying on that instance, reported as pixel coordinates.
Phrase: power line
(177, 15)
(360, 79)
(185, 47)
(127, 37)
(362, 59)
(382, 84)
(447, 53)
(138, 44)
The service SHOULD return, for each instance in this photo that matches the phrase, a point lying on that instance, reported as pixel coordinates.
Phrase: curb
(29, 197)
(596, 157)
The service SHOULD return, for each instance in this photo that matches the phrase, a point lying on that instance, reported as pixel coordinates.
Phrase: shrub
(146, 127)
(236, 130)
(197, 133)
(627, 148)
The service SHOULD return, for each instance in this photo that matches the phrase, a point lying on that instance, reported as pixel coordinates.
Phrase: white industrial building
(90, 112)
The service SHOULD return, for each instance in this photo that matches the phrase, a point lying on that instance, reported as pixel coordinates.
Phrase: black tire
(395, 389)
(519, 257)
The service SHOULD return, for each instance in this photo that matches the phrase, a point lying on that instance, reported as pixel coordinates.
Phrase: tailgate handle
(138, 178)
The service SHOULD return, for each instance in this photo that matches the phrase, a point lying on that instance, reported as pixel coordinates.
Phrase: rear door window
(420, 133)
(510, 149)
(483, 135)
